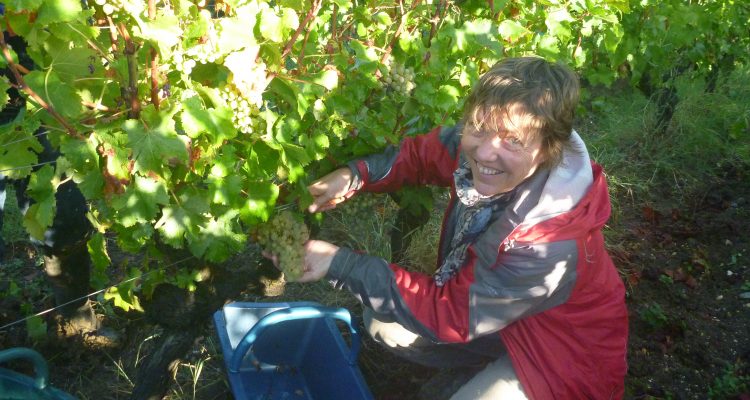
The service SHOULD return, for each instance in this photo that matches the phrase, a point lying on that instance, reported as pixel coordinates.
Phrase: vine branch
(131, 92)
(314, 8)
(21, 84)
(112, 34)
(397, 34)
(154, 60)
(434, 21)
(334, 21)
(436, 18)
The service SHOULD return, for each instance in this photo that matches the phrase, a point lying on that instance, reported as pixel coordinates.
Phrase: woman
(525, 291)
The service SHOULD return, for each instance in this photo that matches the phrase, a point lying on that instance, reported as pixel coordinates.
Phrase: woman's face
(502, 152)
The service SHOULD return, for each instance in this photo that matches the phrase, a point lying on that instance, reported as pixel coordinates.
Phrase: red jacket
(539, 276)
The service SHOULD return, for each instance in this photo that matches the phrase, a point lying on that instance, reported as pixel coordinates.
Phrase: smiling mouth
(486, 170)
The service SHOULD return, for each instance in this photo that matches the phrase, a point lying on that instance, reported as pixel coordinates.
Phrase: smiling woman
(525, 299)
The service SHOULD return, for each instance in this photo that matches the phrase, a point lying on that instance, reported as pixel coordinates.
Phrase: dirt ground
(686, 267)
(689, 295)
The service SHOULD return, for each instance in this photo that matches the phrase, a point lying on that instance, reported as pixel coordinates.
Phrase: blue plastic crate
(16, 386)
(289, 351)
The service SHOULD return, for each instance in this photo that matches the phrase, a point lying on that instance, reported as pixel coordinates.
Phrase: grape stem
(21, 84)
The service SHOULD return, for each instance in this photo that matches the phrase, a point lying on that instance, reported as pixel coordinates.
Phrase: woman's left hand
(318, 257)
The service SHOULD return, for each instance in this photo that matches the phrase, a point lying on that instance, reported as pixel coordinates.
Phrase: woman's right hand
(331, 190)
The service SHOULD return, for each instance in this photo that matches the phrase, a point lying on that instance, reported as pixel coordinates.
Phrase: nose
(488, 149)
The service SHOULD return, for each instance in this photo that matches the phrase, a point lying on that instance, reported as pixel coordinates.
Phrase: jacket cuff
(359, 174)
(341, 266)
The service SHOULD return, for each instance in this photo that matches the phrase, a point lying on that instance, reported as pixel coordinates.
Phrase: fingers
(322, 200)
(320, 204)
(330, 190)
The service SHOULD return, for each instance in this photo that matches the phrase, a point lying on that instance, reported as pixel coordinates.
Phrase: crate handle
(40, 366)
(289, 314)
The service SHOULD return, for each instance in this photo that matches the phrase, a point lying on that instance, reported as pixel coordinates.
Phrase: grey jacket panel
(371, 281)
(525, 280)
(515, 280)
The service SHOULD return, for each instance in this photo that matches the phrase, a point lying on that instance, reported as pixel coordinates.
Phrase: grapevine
(261, 97)
(284, 236)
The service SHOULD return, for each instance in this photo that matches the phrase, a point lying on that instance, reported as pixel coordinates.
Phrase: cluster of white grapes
(284, 236)
(207, 51)
(360, 208)
(183, 64)
(244, 111)
(110, 7)
(252, 83)
(204, 52)
(400, 79)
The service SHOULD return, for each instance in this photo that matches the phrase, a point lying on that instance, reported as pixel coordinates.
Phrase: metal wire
(26, 138)
(28, 166)
(90, 294)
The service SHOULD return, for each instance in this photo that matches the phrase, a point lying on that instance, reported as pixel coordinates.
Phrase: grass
(730, 384)
(421, 255)
(363, 223)
(709, 133)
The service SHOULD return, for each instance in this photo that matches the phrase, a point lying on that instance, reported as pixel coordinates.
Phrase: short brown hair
(547, 92)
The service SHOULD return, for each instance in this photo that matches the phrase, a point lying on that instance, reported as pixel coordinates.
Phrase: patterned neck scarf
(472, 221)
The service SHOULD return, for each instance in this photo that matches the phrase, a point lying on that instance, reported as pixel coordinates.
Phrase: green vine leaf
(152, 139)
(56, 11)
(18, 150)
(512, 31)
(174, 223)
(140, 202)
(217, 239)
(23, 5)
(41, 214)
(58, 94)
(197, 121)
(4, 86)
(97, 247)
(164, 31)
(260, 201)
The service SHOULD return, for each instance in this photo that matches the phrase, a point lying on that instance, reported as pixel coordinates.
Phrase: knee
(386, 331)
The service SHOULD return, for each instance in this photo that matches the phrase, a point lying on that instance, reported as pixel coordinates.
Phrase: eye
(513, 143)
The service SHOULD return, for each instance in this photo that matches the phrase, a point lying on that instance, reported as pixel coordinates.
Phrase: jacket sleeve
(494, 288)
(428, 159)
